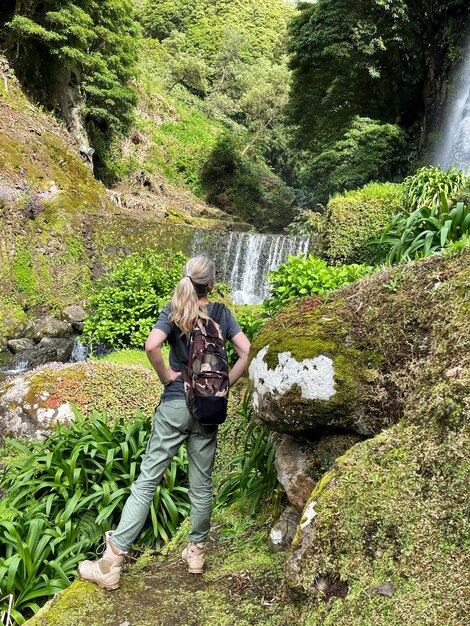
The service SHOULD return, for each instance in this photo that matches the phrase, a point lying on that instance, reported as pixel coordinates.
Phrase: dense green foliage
(307, 277)
(427, 185)
(429, 218)
(128, 299)
(250, 321)
(368, 151)
(63, 493)
(90, 46)
(353, 218)
(372, 59)
(246, 187)
(250, 477)
(426, 230)
(226, 61)
(206, 24)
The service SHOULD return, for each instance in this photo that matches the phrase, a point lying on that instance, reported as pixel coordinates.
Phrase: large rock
(33, 357)
(300, 462)
(48, 327)
(31, 404)
(17, 345)
(349, 361)
(74, 314)
(63, 347)
(382, 537)
(292, 470)
(309, 374)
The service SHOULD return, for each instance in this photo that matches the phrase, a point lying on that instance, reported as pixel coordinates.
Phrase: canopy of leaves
(368, 151)
(97, 42)
(367, 58)
(262, 24)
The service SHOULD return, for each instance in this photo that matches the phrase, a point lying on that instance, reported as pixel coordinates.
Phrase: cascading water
(244, 259)
(455, 146)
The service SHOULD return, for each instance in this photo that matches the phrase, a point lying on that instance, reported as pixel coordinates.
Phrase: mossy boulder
(308, 374)
(31, 404)
(350, 361)
(382, 538)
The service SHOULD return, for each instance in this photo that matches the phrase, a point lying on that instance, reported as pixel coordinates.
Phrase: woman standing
(173, 424)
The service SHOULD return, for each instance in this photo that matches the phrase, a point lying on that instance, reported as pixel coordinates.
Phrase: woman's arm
(241, 344)
(153, 348)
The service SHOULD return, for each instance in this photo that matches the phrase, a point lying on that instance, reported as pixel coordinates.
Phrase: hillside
(52, 213)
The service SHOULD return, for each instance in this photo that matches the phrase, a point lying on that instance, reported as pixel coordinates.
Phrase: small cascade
(80, 352)
(455, 145)
(244, 259)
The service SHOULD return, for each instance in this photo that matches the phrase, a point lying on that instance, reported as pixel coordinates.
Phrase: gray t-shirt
(179, 346)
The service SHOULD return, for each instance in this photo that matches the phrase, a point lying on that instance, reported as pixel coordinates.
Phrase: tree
(368, 151)
(368, 58)
(85, 42)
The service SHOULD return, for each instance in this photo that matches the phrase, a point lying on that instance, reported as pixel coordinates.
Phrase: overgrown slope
(59, 226)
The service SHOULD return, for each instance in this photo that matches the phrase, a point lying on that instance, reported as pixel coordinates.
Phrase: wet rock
(283, 531)
(27, 359)
(293, 470)
(17, 345)
(63, 347)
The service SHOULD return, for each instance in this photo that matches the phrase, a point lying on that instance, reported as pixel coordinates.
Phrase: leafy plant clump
(426, 230)
(307, 277)
(351, 219)
(250, 321)
(425, 188)
(64, 493)
(128, 300)
(250, 477)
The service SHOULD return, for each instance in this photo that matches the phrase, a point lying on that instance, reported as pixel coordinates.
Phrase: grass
(130, 356)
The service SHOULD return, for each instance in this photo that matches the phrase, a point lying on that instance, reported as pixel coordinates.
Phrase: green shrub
(128, 299)
(250, 322)
(353, 218)
(65, 492)
(369, 151)
(426, 187)
(245, 187)
(250, 477)
(426, 230)
(306, 277)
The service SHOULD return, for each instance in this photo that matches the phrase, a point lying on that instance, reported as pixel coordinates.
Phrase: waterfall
(244, 259)
(455, 144)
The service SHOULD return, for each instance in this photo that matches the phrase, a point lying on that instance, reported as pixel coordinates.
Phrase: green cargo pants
(172, 425)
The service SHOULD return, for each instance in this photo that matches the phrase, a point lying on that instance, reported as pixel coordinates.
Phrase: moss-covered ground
(242, 585)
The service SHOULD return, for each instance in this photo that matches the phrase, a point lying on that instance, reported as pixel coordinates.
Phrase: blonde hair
(198, 274)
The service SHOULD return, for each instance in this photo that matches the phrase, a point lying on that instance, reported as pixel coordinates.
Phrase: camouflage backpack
(205, 376)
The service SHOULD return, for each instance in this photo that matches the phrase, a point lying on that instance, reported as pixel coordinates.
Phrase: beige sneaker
(106, 571)
(193, 554)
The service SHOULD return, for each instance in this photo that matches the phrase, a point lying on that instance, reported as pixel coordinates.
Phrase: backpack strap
(218, 311)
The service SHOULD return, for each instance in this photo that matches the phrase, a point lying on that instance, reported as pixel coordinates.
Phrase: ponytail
(198, 274)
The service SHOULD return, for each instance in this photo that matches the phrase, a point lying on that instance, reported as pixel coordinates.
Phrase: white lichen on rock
(315, 377)
(309, 514)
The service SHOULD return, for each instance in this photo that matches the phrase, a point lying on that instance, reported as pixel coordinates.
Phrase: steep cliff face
(381, 540)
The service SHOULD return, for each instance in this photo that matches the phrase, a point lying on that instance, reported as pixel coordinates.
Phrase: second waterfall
(244, 259)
